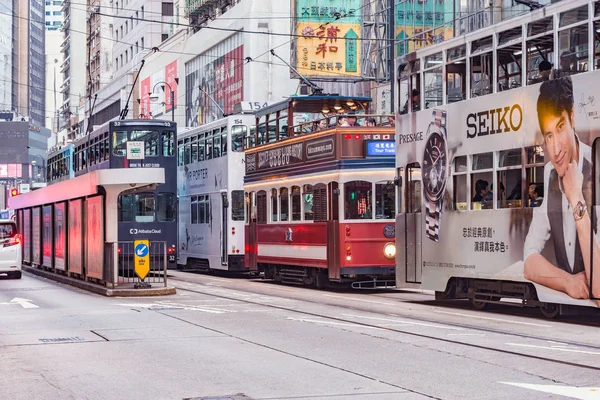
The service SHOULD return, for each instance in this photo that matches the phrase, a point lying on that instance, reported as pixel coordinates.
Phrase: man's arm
(540, 270)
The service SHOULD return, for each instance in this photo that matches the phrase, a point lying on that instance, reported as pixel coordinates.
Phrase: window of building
(142, 43)
(385, 200)
(296, 205)
(274, 203)
(48, 13)
(56, 13)
(167, 9)
(166, 207)
(142, 9)
(237, 205)
(284, 202)
(357, 200)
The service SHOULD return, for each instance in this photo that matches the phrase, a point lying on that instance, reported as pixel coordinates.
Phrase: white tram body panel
(211, 196)
(501, 202)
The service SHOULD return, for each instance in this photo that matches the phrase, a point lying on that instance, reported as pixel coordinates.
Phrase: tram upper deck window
(120, 143)
(433, 80)
(358, 200)
(208, 145)
(482, 68)
(150, 139)
(238, 133)
(216, 144)
(168, 143)
(573, 50)
(456, 74)
(509, 59)
(540, 47)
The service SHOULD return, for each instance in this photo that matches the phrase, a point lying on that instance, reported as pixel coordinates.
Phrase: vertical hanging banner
(145, 98)
(170, 78)
(327, 39)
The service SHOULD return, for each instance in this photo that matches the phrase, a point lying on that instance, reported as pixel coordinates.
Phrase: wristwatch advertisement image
(435, 173)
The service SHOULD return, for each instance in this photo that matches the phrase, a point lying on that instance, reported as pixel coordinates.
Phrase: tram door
(224, 228)
(411, 225)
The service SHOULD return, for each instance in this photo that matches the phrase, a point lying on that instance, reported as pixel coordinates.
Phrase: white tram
(499, 163)
(210, 186)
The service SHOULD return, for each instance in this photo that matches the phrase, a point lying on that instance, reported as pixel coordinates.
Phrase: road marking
(584, 393)
(366, 301)
(25, 303)
(533, 346)
(511, 321)
(453, 328)
(466, 334)
(316, 321)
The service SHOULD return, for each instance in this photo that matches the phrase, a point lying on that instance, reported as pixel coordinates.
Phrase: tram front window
(358, 200)
(166, 207)
(385, 200)
(238, 133)
(144, 207)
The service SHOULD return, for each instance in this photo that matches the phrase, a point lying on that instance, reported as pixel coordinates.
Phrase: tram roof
(311, 103)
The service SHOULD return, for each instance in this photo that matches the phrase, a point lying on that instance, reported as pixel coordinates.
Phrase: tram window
(224, 141)
(596, 41)
(166, 207)
(261, 207)
(201, 209)
(274, 203)
(357, 200)
(150, 139)
(296, 205)
(481, 181)
(456, 75)
(403, 95)
(168, 143)
(538, 50)
(385, 200)
(194, 210)
(187, 152)
(534, 177)
(217, 147)
(238, 133)
(509, 67)
(307, 197)
(180, 153)
(144, 207)
(573, 50)
(320, 202)
(201, 148)
(433, 80)
(413, 188)
(237, 205)
(285, 204)
(194, 152)
(124, 206)
(208, 154)
(119, 144)
(571, 17)
(460, 192)
(482, 74)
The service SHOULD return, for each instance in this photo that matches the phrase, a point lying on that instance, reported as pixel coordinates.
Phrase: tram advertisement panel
(36, 244)
(47, 237)
(59, 236)
(75, 237)
(94, 237)
(507, 180)
(27, 236)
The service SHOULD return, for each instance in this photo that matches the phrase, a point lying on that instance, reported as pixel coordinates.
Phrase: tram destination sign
(278, 157)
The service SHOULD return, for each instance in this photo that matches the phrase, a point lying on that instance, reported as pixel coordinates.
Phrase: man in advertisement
(563, 216)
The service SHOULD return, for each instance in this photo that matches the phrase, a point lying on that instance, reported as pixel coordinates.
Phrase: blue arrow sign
(141, 250)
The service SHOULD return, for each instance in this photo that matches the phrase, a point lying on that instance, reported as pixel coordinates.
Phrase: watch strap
(432, 219)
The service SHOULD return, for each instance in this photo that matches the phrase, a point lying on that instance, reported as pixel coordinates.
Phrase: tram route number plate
(135, 150)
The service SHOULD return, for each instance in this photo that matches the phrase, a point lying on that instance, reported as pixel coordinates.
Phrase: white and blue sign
(141, 250)
(381, 148)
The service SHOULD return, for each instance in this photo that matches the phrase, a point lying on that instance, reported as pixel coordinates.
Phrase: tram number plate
(172, 258)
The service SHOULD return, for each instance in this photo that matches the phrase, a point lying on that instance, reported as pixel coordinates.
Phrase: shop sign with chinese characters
(328, 38)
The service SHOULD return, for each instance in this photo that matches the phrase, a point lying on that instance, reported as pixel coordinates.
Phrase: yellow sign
(141, 258)
(328, 50)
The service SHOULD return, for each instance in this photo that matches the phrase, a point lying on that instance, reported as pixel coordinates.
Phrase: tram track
(416, 334)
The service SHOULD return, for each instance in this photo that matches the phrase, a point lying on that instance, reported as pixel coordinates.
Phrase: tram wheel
(478, 305)
(550, 310)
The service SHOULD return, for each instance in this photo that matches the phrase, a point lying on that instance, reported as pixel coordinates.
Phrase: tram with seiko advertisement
(150, 213)
(498, 137)
(210, 188)
(320, 194)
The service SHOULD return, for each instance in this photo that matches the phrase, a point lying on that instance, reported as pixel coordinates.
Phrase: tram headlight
(389, 250)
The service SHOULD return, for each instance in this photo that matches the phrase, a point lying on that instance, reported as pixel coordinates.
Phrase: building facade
(54, 59)
(6, 55)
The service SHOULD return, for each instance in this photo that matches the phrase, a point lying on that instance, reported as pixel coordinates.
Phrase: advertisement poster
(328, 46)
(27, 236)
(215, 76)
(47, 236)
(145, 98)
(170, 77)
(59, 236)
(36, 239)
(75, 237)
(508, 180)
(94, 237)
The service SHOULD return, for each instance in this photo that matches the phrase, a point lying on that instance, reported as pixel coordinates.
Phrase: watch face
(434, 166)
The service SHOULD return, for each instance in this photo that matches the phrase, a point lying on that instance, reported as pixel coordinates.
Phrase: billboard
(170, 78)
(36, 242)
(215, 76)
(326, 46)
(75, 236)
(168, 75)
(94, 237)
(47, 236)
(500, 200)
(59, 236)
(424, 22)
(145, 98)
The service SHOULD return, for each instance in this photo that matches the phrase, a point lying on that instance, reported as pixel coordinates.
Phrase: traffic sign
(141, 258)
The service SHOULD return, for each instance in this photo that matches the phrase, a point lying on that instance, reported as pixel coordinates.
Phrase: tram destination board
(293, 154)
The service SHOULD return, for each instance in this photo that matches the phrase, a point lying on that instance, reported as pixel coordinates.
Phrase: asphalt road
(221, 337)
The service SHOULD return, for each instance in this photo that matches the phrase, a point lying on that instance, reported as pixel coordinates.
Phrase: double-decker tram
(497, 158)
(210, 182)
(320, 193)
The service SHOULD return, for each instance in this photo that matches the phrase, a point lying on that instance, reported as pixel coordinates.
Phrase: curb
(94, 288)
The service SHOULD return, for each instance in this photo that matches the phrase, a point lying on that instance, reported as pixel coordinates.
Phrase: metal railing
(121, 264)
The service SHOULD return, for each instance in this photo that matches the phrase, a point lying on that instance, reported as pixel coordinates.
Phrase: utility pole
(390, 51)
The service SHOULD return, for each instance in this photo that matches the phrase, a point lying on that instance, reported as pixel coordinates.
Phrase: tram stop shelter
(70, 233)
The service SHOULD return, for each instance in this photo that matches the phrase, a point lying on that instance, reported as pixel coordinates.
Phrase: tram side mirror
(226, 203)
(398, 181)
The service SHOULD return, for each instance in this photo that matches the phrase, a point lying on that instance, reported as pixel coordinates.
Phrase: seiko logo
(410, 137)
(494, 121)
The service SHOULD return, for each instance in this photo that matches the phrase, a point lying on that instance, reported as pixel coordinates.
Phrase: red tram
(320, 193)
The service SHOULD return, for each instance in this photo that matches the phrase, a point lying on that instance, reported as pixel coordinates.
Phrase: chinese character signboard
(170, 78)
(145, 98)
(422, 23)
(327, 38)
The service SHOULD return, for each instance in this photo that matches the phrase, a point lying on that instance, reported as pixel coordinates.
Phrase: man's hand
(578, 286)
(573, 183)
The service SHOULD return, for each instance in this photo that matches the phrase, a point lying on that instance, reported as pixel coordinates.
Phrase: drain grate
(234, 397)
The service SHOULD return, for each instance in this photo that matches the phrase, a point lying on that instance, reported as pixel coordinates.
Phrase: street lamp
(34, 163)
(154, 96)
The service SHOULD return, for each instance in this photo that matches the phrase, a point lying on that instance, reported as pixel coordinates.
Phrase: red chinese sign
(145, 98)
(170, 78)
